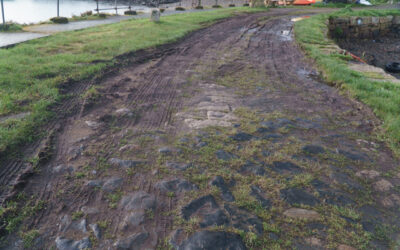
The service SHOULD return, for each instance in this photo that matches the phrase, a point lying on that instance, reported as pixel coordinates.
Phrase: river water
(34, 11)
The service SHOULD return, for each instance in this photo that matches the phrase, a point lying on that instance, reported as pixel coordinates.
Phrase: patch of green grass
(381, 96)
(114, 198)
(77, 215)
(28, 238)
(31, 73)
(10, 27)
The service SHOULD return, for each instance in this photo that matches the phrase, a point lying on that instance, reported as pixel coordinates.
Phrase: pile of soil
(377, 52)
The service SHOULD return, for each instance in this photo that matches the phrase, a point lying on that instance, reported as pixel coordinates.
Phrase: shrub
(10, 27)
(87, 13)
(199, 7)
(217, 6)
(246, 5)
(130, 12)
(179, 8)
(101, 15)
(231, 5)
(59, 19)
(162, 10)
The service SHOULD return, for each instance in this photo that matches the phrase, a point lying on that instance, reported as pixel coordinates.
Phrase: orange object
(303, 2)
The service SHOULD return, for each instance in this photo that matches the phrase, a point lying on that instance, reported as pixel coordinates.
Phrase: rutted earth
(226, 140)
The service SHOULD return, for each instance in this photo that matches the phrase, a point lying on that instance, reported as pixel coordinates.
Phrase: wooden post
(97, 9)
(116, 9)
(2, 14)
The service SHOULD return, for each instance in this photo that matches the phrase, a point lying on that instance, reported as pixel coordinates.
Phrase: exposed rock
(313, 241)
(243, 220)
(133, 242)
(382, 186)
(196, 204)
(286, 167)
(241, 136)
(368, 174)
(391, 201)
(128, 147)
(165, 150)
(61, 169)
(313, 149)
(93, 124)
(298, 196)
(138, 200)
(344, 179)
(178, 165)
(217, 218)
(112, 184)
(124, 111)
(226, 194)
(79, 226)
(94, 183)
(125, 163)
(90, 210)
(75, 151)
(68, 244)
(226, 156)
(96, 230)
(299, 213)
(175, 236)
(345, 247)
(253, 168)
(256, 193)
(135, 218)
(355, 156)
(176, 185)
(213, 240)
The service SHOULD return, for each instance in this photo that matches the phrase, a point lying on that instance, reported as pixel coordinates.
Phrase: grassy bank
(30, 73)
(382, 97)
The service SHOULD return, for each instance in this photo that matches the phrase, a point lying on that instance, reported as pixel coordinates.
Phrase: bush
(231, 5)
(199, 7)
(162, 10)
(130, 12)
(101, 15)
(59, 19)
(179, 8)
(246, 5)
(87, 13)
(10, 27)
(217, 6)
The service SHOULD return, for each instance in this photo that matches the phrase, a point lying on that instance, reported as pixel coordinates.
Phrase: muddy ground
(377, 52)
(227, 139)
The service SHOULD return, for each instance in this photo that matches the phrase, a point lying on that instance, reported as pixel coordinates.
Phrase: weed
(77, 215)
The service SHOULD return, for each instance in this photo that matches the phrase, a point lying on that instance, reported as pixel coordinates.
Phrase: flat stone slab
(299, 213)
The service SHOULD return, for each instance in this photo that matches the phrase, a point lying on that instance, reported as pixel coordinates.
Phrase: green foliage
(31, 73)
(59, 19)
(10, 27)
(77, 215)
(29, 237)
(381, 96)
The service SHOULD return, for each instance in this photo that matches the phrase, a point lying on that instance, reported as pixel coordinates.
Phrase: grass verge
(30, 73)
(381, 96)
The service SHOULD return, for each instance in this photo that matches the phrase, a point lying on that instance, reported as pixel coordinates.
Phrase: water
(34, 11)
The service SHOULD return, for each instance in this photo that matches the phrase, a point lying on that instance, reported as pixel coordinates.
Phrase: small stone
(125, 163)
(138, 200)
(313, 149)
(112, 184)
(90, 210)
(176, 185)
(60, 169)
(123, 111)
(165, 151)
(313, 241)
(299, 213)
(133, 242)
(345, 247)
(241, 136)
(128, 147)
(68, 244)
(96, 230)
(94, 183)
(286, 167)
(226, 156)
(218, 218)
(93, 124)
(178, 165)
(298, 196)
(213, 240)
(368, 174)
(382, 185)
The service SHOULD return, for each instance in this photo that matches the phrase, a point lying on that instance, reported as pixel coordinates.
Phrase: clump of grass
(28, 238)
(59, 20)
(77, 215)
(179, 8)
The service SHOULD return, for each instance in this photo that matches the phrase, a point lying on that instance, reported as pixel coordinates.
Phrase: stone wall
(363, 27)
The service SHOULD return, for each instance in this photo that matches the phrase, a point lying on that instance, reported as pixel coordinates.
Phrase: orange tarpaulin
(303, 2)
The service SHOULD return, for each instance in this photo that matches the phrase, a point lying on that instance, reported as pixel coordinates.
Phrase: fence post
(58, 8)
(97, 9)
(2, 14)
(116, 8)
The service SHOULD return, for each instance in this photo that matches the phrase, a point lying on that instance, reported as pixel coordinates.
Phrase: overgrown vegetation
(31, 73)
(10, 27)
(381, 96)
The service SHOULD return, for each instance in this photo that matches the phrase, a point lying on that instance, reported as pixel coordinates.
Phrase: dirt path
(226, 140)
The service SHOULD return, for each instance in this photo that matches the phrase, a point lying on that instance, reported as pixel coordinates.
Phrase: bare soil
(228, 138)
